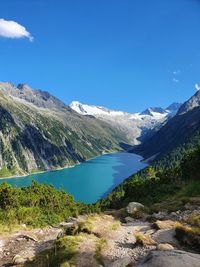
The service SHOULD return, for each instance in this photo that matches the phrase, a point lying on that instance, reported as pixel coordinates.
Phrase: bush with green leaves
(38, 205)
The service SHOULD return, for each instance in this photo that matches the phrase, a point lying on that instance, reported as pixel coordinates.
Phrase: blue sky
(122, 54)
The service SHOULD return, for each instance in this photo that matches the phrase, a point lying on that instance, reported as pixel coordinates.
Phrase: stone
(188, 206)
(28, 237)
(1, 245)
(66, 224)
(70, 228)
(129, 219)
(165, 246)
(161, 215)
(150, 232)
(72, 219)
(165, 236)
(123, 262)
(134, 207)
(173, 258)
(17, 260)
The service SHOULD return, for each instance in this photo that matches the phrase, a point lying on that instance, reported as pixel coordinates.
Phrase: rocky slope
(39, 132)
(137, 126)
(114, 238)
(177, 131)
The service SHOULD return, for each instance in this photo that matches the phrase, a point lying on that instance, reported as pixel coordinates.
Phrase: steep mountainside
(39, 132)
(193, 102)
(137, 126)
(177, 131)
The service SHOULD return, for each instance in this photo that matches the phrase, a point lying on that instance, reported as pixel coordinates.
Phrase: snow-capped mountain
(136, 125)
(85, 109)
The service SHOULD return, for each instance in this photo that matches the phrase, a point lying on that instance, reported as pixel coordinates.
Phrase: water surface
(91, 180)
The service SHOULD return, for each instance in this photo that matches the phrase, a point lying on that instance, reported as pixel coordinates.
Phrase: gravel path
(123, 242)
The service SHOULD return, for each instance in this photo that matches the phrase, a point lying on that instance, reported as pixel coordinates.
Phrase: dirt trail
(26, 243)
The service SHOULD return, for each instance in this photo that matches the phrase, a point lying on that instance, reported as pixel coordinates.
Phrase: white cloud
(175, 80)
(176, 72)
(197, 86)
(12, 29)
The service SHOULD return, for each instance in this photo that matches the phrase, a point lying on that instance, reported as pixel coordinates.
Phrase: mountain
(174, 107)
(40, 132)
(155, 112)
(193, 102)
(38, 98)
(137, 126)
(178, 131)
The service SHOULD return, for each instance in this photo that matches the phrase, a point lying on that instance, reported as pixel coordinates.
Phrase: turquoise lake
(90, 180)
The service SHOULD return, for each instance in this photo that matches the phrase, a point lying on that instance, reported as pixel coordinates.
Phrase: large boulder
(166, 236)
(172, 258)
(134, 207)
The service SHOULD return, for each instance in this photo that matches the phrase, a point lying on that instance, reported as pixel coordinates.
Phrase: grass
(188, 235)
(100, 245)
(100, 225)
(85, 226)
(62, 254)
(6, 229)
(194, 220)
(4, 172)
(167, 224)
(191, 189)
(115, 226)
(189, 193)
(144, 240)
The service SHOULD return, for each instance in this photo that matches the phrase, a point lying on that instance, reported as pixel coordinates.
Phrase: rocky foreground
(115, 238)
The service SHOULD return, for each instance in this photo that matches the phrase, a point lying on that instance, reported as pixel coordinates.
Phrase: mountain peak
(193, 102)
(174, 106)
(23, 86)
(153, 111)
(38, 98)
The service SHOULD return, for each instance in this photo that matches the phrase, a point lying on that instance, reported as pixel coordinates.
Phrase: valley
(99, 133)
(39, 132)
(89, 181)
(84, 213)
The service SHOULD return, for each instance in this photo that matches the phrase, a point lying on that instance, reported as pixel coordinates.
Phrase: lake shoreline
(89, 181)
(59, 168)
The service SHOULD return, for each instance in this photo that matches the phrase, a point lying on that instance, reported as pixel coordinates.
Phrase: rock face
(174, 258)
(39, 132)
(134, 207)
(192, 103)
(38, 98)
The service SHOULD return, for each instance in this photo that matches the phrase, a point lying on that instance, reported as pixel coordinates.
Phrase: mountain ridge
(175, 132)
(137, 125)
(41, 133)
